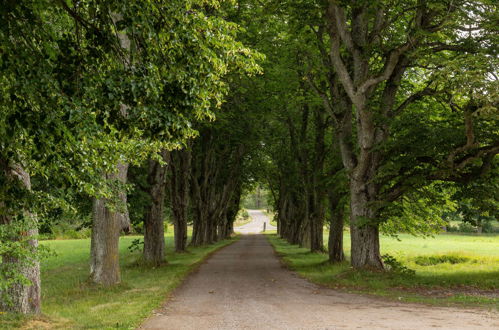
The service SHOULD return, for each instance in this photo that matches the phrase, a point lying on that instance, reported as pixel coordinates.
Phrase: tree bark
(23, 298)
(318, 193)
(107, 224)
(154, 236)
(106, 227)
(180, 170)
(365, 248)
(335, 240)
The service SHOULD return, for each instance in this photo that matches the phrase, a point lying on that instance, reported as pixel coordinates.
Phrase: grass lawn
(450, 269)
(69, 301)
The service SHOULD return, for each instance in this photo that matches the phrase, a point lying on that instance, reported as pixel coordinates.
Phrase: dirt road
(244, 286)
(259, 220)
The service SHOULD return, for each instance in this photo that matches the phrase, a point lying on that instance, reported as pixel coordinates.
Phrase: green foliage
(393, 265)
(256, 199)
(18, 250)
(136, 245)
(439, 259)
(83, 88)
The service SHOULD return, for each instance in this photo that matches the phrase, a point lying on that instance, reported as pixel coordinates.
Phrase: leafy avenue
(119, 117)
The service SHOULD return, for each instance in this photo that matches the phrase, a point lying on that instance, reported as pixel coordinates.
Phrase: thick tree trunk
(317, 220)
(317, 191)
(154, 236)
(199, 227)
(335, 240)
(107, 224)
(231, 213)
(316, 233)
(21, 298)
(304, 234)
(197, 232)
(211, 231)
(365, 250)
(180, 165)
(106, 227)
(180, 232)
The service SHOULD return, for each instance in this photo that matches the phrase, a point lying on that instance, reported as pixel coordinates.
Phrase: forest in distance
(170, 118)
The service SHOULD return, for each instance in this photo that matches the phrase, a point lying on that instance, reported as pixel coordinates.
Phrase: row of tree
(379, 114)
(383, 115)
(89, 90)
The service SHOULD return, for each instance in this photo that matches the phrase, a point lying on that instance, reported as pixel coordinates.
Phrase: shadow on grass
(482, 284)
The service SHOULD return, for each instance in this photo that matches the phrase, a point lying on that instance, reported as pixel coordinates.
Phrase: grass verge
(445, 274)
(69, 301)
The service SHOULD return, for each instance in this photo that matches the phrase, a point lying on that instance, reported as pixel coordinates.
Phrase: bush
(440, 259)
(395, 266)
(488, 227)
(67, 231)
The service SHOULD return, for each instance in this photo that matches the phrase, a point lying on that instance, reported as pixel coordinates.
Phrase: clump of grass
(432, 260)
(394, 265)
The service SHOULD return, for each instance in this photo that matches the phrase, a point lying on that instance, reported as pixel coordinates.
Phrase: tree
(180, 175)
(99, 86)
(372, 46)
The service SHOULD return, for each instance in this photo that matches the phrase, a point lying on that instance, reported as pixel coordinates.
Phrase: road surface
(244, 286)
(256, 224)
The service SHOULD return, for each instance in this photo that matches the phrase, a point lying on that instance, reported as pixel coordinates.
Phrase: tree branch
(413, 98)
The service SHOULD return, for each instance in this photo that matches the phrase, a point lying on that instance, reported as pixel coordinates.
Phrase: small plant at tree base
(395, 266)
(136, 245)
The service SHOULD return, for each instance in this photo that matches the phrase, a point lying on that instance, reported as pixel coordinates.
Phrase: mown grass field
(70, 302)
(449, 269)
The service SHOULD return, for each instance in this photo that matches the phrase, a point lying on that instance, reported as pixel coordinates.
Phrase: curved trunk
(106, 227)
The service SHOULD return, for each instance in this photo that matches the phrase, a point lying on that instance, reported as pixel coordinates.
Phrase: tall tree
(180, 175)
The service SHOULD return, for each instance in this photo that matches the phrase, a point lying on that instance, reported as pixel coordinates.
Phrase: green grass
(69, 301)
(449, 269)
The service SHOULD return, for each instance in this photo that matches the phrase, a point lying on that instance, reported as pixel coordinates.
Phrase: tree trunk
(335, 241)
(304, 235)
(231, 213)
(199, 227)
(106, 227)
(107, 224)
(154, 235)
(479, 226)
(21, 298)
(316, 233)
(365, 250)
(317, 221)
(180, 166)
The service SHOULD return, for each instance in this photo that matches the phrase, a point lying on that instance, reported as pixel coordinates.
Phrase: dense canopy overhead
(380, 115)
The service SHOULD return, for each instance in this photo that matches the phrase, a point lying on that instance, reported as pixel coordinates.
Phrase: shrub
(440, 259)
(395, 266)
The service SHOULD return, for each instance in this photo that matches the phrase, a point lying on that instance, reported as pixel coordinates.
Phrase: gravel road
(244, 286)
(259, 220)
